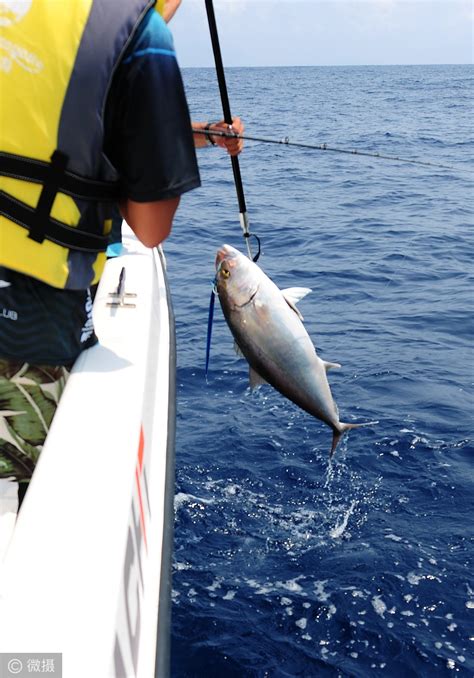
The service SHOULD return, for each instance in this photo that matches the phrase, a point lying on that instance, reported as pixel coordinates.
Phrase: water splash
(338, 530)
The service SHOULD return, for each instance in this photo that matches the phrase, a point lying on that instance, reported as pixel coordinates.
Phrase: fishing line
(332, 149)
(209, 326)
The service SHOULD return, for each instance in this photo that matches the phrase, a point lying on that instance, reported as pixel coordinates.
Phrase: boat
(87, 573)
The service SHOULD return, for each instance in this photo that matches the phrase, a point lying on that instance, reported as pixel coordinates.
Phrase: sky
(327, 32)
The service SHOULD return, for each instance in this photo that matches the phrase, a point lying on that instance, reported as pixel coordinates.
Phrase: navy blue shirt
(148, 130)
(148, 139)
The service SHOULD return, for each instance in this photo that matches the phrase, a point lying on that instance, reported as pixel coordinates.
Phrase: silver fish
(269, 332)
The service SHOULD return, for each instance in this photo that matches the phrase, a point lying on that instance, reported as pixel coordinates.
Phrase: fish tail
(342, 428)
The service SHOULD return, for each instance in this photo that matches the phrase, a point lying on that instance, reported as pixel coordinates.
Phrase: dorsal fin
(293, 295)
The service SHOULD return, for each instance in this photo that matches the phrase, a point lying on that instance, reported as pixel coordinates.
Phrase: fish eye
(225, 273)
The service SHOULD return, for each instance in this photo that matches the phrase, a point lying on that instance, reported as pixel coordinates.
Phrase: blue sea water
(287, 564)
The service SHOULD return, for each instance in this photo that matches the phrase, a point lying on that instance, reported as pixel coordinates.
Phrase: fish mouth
(223, 253)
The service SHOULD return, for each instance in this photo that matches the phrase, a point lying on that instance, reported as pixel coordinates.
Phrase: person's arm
(169, 9)
(233, 146)
(148, 133)
(150, 221)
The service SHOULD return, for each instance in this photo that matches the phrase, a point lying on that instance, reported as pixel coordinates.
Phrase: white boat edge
(88, 569)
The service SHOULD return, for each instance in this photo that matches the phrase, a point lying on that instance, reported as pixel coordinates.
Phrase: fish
(269, 332)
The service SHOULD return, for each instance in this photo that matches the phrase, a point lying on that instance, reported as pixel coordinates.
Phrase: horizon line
(333, 65)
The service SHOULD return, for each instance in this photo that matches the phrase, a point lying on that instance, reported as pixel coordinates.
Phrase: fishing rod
(324, 147)
(244, 222)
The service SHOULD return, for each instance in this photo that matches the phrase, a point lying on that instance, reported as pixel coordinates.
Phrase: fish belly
(278, 348)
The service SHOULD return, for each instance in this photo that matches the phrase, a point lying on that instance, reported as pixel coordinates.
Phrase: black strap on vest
(56, 231)
(56, 171)
(55, 178)
(38, 172)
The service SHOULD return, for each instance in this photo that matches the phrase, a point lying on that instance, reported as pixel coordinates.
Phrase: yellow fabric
(48, 29)
(160, 6)
(33, 84)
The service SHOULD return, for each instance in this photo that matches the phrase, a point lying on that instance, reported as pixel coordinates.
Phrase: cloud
(232, 7)
(327, 32)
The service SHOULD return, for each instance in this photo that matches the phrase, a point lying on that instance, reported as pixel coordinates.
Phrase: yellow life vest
(57, 59)
(160, 6)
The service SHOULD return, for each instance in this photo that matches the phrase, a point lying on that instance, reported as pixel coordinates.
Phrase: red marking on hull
(138, 470)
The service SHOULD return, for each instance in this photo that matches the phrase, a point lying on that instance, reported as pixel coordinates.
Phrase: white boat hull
(88, 570)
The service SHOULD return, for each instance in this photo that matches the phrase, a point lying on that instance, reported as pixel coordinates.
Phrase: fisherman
(91, 118)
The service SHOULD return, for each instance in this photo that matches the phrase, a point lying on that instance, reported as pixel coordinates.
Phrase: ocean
(286, 563)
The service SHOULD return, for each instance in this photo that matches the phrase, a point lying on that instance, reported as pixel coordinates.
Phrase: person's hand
(232, 145)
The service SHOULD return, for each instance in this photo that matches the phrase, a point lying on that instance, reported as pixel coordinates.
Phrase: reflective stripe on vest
(57, 60)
